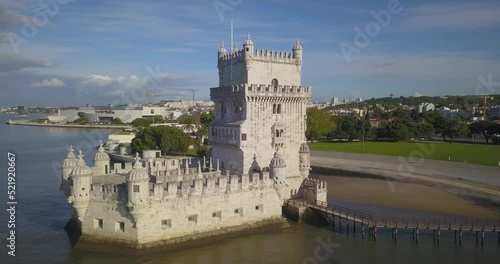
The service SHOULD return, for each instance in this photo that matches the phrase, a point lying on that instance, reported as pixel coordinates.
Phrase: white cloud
(54, 82)
(98, 80)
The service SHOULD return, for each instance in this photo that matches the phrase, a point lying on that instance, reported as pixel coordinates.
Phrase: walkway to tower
(337, 217)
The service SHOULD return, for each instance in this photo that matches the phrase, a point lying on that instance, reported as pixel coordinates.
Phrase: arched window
(274, 83)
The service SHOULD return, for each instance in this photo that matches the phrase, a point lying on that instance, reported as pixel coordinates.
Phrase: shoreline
(384, 196)
(14, 123)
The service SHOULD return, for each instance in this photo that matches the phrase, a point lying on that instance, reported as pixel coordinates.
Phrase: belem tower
(259, 159)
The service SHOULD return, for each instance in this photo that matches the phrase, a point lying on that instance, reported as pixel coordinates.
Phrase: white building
(259, 160)
(335, 101)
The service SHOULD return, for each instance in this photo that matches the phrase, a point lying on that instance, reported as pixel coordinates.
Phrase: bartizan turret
(304, 160)
(278, 168)
(297, 52)
(138, 190)
(68, 164)
(101, 161)
(80, 181)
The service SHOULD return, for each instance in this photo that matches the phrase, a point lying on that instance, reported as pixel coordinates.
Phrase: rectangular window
(243, 137)
(136, 188)
(98, 223)
(167, 223)
(119, 226)
(217, 214)
(193, 219)
(238, 211)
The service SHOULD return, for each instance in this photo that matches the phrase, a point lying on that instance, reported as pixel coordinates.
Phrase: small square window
(166, 223)
(98, 223)
(193, 219)
(119, 226)
(244, 137)
(238, 211)
(259, 207)
(136, 188)
(217, 214)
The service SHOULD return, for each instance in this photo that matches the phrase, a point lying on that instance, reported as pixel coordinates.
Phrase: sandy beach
(404, 195)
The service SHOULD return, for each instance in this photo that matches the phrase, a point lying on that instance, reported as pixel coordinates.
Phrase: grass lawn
(471, 153)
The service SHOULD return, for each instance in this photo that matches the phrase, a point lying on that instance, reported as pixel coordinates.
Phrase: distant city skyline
(116, 52)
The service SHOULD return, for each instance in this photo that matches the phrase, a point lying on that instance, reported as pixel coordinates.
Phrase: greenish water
(42, 212)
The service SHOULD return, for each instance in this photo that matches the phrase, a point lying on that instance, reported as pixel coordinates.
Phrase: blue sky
(101, 52)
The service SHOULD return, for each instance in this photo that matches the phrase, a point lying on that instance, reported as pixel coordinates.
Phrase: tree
(397, 130)
(186, 119)
(351, 128)
(319, 123)
(141, 122)
(486, 128)
(117, 121)
(207, 117)
(168, 139)
(81, 121)
(455, 128)
(423, 130)
(158, 119)
(189, 126)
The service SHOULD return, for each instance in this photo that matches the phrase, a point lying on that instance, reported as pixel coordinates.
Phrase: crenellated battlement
(258, 55)
(260, 90)
(314, 190)
(314, 183)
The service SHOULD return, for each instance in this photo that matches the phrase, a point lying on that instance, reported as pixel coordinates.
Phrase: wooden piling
(438, 235)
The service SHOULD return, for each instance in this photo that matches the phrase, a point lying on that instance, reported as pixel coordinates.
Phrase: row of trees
(169, 140)
(400, 126)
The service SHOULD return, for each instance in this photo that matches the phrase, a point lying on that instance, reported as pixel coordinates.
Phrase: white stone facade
(259, 160)
(258, 110)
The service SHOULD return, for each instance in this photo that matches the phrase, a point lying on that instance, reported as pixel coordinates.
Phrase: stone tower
(80, 181)
(138, 190)
(260, 106)
(101, 161)
(68, 164)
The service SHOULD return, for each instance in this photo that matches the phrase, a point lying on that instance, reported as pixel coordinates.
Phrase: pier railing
(335, 210)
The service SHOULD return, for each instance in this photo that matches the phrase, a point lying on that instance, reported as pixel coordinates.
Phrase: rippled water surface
(42, 212)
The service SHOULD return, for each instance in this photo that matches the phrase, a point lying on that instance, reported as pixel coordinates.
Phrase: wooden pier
(354, 220)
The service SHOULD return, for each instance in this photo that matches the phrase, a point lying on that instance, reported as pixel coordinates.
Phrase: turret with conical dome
(222, 50)
(297, 52)
(68, 164)
(278, 168)
(138, 189)
(80, 181)
(101, 161)
(304, 160)
(248, 47)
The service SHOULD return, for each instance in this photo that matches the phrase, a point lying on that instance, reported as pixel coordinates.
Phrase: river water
(42, 212)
